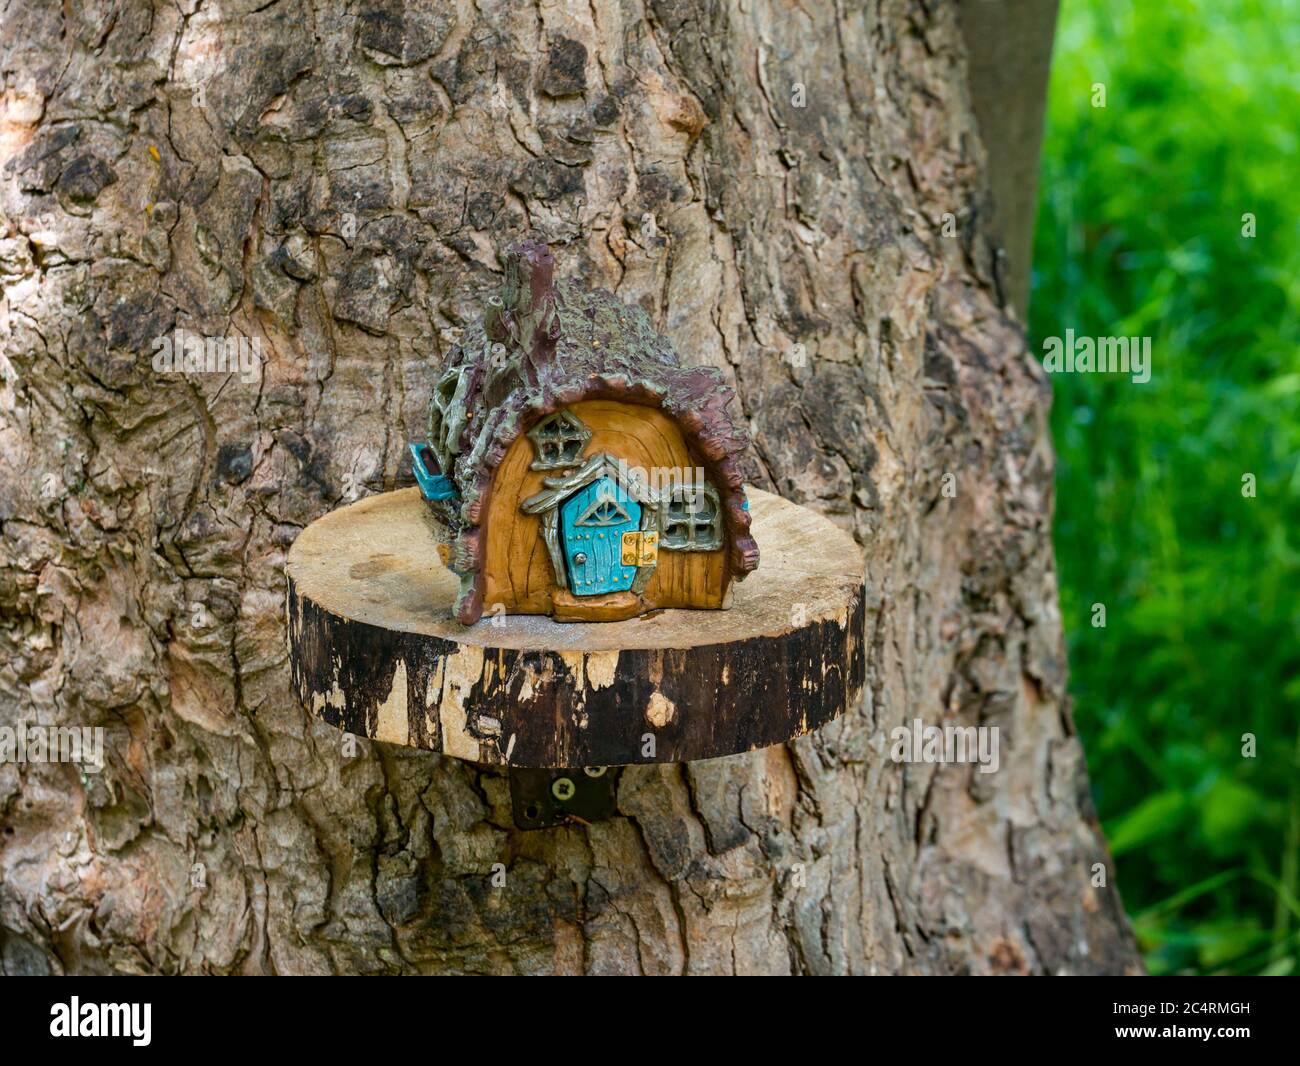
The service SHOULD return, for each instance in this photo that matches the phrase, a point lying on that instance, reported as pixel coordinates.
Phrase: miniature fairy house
(574, 467)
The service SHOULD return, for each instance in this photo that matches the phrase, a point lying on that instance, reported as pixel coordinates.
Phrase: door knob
(580, 558)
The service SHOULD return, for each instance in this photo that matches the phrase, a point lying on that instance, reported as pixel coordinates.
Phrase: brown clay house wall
(518, 573)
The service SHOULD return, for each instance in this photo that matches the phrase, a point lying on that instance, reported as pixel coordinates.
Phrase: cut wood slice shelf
(375, 651)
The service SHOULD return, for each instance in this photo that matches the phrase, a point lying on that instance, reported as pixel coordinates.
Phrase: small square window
(559, 440)
(691, 520)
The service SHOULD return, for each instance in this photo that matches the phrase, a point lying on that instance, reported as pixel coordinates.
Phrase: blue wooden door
(592, 523)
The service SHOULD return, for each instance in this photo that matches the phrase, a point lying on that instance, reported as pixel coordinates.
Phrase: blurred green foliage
(1140, 232)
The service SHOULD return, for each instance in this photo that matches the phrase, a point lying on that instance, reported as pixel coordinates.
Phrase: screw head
(563, 789)
(595, 771)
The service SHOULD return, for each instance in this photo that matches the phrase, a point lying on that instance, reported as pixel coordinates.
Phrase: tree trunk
(334, 182)
(1009, 43)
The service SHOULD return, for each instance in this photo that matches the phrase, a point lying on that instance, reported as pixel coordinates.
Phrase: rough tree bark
(334, 180)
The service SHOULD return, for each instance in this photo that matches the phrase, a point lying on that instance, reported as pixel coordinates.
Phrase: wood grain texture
(614, 607)
(518, 574)
(375, 651)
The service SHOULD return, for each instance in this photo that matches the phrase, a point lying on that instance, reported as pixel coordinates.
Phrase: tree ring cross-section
(375, 650)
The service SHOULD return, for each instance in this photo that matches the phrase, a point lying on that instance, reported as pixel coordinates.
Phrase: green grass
(1139, 232)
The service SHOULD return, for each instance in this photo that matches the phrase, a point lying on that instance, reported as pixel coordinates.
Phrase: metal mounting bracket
(542, 799)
